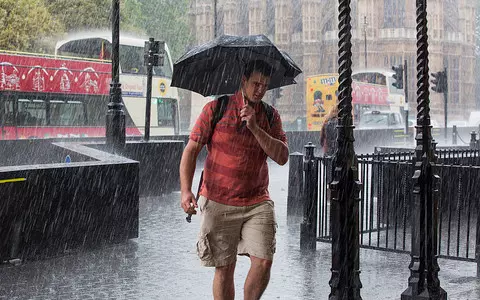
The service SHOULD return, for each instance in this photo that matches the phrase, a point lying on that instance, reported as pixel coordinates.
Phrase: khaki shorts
(227, 230)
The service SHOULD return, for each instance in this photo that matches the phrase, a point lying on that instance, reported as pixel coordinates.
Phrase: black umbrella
(216, 67)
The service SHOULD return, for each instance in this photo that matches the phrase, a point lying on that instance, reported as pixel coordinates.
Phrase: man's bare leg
(223, 285)
(257, 278)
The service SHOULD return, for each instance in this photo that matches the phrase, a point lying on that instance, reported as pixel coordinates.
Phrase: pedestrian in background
(328, 141)
(328, 133)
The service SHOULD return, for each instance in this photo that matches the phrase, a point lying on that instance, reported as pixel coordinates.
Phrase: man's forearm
(187, 170)
(274, 148)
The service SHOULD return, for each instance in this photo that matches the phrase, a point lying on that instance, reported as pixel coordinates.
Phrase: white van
(378, 119)
(474, 119)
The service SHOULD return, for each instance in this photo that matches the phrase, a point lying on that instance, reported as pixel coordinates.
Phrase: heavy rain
(300, 149)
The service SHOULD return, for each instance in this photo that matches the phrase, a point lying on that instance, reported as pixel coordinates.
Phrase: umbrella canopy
(217, 67)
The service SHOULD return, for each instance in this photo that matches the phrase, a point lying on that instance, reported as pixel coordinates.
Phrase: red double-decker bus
(45, 96)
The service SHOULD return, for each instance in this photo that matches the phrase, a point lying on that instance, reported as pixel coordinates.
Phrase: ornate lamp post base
(425, 295)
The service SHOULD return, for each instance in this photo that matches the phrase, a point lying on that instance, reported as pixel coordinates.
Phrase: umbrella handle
(244, 123)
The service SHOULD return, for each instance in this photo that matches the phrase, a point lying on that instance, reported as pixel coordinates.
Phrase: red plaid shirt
(235, 171)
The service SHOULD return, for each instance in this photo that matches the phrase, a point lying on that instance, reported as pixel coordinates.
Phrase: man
(237, 212)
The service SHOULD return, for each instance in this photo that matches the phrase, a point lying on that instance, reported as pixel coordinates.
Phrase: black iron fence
(386, 200)
(448, 155)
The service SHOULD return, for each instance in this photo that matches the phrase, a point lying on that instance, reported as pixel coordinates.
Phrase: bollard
(295, 185)
(308, 228)
(473, 140)
(454, 135)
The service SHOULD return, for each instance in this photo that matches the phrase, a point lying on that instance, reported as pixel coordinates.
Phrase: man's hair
(258, 66)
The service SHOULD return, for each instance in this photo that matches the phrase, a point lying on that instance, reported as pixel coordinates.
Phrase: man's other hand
(189, 203)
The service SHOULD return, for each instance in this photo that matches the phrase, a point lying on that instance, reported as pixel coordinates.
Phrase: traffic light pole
(445, 104)
(148, 104)
(405, 89)
(152, 57)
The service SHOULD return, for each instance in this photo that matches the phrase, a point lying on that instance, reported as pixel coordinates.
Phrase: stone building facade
(308, 31)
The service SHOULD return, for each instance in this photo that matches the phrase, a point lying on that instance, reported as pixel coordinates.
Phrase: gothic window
(451, 17)
(394, 13)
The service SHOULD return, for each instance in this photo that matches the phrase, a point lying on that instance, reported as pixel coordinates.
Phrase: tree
(23, 23)
(93, 14)
(167, 20)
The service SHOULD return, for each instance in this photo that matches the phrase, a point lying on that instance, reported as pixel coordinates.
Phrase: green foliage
(93, 14)
(33, 25)
(130, 16)
(23, 22)
(167, 20)
(79, 15)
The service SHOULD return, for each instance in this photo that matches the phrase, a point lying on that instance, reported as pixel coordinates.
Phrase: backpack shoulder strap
(269, 112)
(220, 109)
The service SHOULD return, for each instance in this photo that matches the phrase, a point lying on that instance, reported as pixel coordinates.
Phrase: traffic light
(398, 76)
(439, 82)
(154, 52)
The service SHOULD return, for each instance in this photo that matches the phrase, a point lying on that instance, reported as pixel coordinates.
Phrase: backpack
(221, 107)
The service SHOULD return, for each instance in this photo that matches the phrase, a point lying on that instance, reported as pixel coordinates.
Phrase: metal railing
(385, 201)
(387, 195)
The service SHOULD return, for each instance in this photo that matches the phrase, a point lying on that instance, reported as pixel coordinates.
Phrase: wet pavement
(162, 264)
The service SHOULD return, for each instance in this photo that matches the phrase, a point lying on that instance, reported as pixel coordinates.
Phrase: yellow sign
(162, 87)
(320, 97)
(12, 180)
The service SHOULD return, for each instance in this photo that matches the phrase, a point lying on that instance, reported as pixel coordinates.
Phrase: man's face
(254, 88)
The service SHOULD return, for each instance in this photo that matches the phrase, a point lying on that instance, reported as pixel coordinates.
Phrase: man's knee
(264, 264)
(225, 271)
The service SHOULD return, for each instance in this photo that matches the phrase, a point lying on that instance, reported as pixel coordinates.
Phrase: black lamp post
(365, 24)
(215, 21)
(423, 282)
(345, 279)
(115, 128)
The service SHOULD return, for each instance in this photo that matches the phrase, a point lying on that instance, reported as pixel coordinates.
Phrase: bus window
(380, 79)
(31, 112)
(96, 109)
(364, 77)
(164, 111)
(372, 78)
(8, 114)
(132, 62)
(66, 113)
